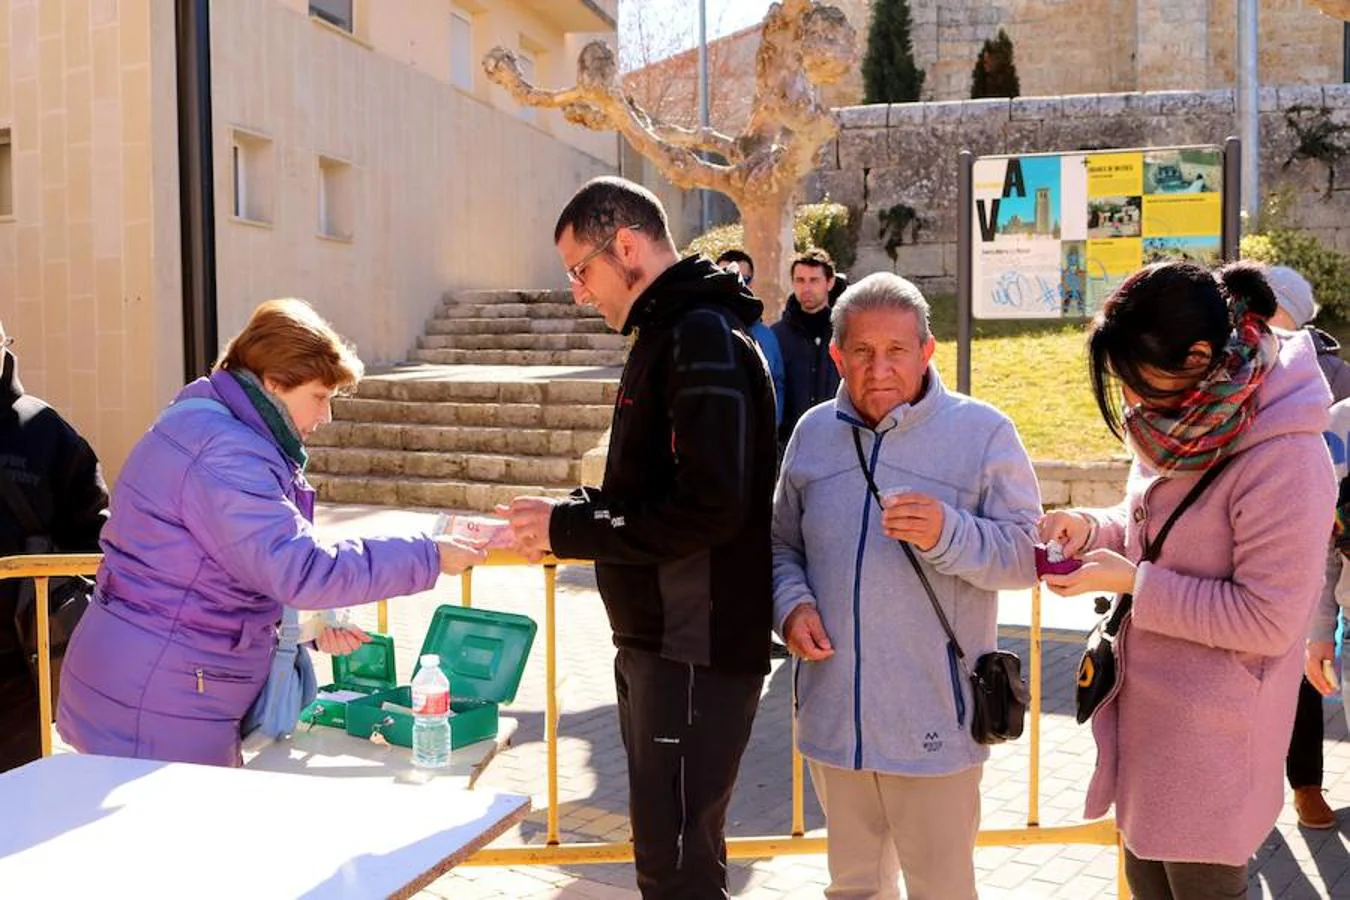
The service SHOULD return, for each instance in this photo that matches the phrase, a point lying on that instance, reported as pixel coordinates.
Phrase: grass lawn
(1036, 372)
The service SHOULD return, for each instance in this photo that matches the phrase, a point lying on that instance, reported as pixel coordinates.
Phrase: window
(526, 59)
(461, 50)
(6, 174)
(335, 12)
(335, 198)
(251, 176)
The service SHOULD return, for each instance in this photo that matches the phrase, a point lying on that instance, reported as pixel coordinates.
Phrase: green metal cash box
(483, 654)
(370, 668)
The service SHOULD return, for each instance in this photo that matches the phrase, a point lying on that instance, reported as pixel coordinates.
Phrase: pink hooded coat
(1192, 748)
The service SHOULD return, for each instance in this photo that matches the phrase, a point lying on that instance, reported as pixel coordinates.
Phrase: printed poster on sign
(1054, 235)
(1018, 228)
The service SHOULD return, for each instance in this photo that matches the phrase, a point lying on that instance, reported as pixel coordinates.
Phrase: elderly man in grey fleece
(883, 703)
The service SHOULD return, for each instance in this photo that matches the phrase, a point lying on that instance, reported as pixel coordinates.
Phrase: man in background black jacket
(56, 473)
(809, 375)
(679, 530)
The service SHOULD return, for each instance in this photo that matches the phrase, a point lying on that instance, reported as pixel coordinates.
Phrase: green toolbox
(482, 652)
(370, 668)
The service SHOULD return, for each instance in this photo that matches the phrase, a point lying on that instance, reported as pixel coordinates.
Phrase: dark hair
(1153, 319)
(813, 257)
(736, 256)
(605, 204)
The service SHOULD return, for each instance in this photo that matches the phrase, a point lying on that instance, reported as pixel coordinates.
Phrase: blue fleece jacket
(893, 698)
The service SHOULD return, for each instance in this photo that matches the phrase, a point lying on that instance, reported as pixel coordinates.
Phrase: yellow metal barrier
(41, 569)
(553, 852)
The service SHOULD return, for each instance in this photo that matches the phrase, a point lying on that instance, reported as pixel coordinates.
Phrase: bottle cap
(431, 659)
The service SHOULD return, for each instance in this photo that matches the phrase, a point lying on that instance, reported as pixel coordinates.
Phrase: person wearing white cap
(1297, 309)
(1303, 766)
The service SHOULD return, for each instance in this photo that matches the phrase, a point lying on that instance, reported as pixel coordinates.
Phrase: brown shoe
(1312, 808)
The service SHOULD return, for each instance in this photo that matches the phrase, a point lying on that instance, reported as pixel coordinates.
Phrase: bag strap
(18, 504)
(1153, 549)
(913, 561)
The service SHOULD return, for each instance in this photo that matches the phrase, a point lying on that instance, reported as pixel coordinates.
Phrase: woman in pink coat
(1191, 744)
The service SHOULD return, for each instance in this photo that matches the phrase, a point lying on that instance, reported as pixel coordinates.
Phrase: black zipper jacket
(810, 377)
(679, 530)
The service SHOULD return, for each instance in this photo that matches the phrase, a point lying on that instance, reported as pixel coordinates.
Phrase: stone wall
(907, 153)
(1075, 46)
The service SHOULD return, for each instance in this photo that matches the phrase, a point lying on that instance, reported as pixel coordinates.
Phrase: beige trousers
(883, 825)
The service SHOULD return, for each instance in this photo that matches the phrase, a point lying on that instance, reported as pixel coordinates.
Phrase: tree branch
(597, 103)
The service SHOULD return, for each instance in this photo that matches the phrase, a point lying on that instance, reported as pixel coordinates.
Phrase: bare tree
(659, 70)
(804, 44)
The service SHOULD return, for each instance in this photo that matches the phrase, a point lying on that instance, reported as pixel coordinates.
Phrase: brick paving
(1293, 863)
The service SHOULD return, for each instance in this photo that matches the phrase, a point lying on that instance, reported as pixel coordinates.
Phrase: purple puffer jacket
(210, 532)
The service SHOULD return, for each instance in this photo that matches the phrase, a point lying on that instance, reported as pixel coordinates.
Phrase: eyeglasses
(577, 273)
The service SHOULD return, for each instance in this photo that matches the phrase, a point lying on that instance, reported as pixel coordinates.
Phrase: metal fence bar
(1102, 831)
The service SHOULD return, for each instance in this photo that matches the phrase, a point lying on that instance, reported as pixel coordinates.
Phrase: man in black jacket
(809, 375)
(679, 530)
(53, 470)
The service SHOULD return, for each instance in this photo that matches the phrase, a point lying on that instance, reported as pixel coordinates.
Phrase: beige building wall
(89, 259)
(442, 189)
(417, 34)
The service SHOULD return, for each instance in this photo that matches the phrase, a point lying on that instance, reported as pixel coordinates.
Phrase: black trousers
(20, 737)
(1303, 765)
(684, 728)
(1153, 880)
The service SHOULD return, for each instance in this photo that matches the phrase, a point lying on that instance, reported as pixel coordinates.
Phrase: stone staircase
(518, 328)
(507, 392)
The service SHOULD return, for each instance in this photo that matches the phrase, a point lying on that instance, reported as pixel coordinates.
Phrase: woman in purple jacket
(1191, 743)
(210, 533)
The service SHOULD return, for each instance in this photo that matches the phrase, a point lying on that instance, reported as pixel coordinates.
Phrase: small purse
(291, 684)
(1000, 692)
(1098, 672)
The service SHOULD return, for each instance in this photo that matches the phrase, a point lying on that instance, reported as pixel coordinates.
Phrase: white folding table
(78, 826)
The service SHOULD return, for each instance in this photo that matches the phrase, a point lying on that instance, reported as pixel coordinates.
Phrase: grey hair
(880, 290)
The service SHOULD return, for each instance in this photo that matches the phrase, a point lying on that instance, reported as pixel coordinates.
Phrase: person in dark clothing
(809, 375)
(679, 529)
(54, 469)
(1295, 311)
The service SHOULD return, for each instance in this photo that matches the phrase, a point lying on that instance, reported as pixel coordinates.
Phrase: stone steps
(530, 341)
(596, 358)
(425, 492)
(518, 325)
(462, 437)
(437, 465)
(504, 415)
(458, 438)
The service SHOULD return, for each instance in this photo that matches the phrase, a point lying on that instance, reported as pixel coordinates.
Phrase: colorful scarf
(1216, 412)
(275, 414)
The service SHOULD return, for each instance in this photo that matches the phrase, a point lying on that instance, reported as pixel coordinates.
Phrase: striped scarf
(1205, 425)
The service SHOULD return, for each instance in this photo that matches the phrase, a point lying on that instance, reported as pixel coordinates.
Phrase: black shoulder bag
(67, 597)
(1097, 669)
(1000, 692)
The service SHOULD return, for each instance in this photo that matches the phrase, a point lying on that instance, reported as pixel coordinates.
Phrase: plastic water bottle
(431, 715)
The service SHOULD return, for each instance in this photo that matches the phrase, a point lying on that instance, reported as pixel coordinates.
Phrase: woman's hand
(1317, 653)
(1069, 528)
(458, 554)
(1102, 571)
(339, 640)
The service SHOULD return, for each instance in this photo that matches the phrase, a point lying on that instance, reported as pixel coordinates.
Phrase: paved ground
(1293, 863)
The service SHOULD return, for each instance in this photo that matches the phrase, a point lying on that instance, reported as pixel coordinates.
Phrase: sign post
(1052, 235)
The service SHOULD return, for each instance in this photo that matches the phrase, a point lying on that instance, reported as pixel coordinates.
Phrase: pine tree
(995, 73)
(889, 72)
